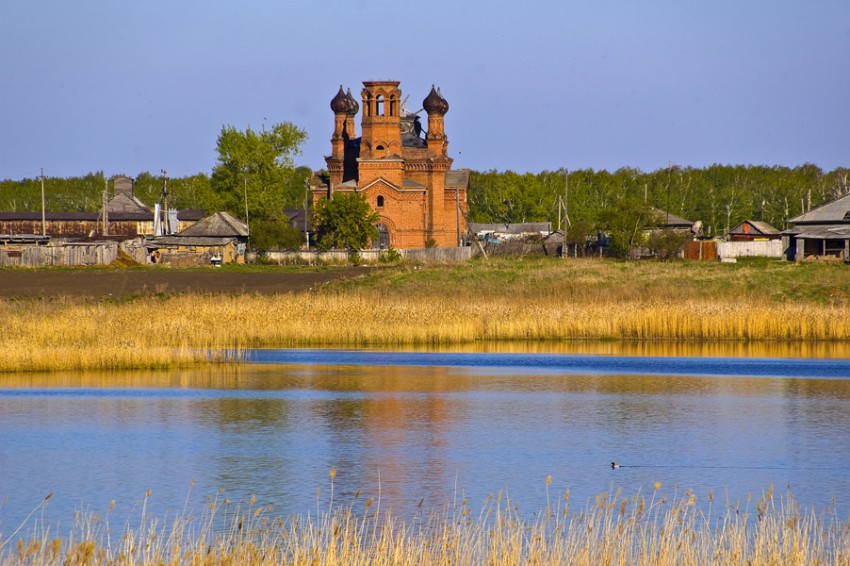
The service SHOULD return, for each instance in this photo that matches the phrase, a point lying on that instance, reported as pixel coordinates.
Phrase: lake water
(420, 430)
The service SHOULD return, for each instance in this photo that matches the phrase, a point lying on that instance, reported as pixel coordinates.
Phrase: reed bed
(433, 306)
(638, 530)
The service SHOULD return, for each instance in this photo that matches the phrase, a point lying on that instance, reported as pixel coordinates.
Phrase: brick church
(403, 172)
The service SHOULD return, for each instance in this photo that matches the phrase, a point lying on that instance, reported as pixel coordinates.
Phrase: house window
(380, 201)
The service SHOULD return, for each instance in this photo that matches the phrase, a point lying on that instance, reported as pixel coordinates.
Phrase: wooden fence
(764, 248)
(65, 254)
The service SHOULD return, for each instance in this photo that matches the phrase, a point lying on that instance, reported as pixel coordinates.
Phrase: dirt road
(100, 283)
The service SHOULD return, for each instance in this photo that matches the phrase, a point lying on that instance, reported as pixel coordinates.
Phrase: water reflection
(661, 348)
(417, 379)
(410, 434)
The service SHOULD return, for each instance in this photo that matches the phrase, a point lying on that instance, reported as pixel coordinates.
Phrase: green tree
(626, 220)
(344, 222)
(511, 198)
(257, 168)
(183, 192)
(275, 235)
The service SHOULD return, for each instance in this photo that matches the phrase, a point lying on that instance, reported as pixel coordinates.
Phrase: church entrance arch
(383, 236)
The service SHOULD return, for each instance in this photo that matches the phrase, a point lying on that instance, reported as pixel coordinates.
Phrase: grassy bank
(640, 530)
(513, 300)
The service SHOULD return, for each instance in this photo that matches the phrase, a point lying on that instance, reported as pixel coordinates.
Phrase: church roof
(339, 103)
(411, 184)
(410, 139)
(457, 179)
(434, 103)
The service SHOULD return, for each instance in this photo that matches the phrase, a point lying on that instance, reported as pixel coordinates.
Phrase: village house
(750, 238)
(216, 239)
(668, 220)
(821, 232)
(753, 231)
(124, 216)
(497, 232)
(402, 171)
(36, 239)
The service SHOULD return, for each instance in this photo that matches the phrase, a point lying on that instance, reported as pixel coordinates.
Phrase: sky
(125, 86)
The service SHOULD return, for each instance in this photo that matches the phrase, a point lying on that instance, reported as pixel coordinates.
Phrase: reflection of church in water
(405, 177)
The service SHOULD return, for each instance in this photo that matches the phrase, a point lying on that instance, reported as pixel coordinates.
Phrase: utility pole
(43, 215)
(245, 188)
(563, 202)
(306, 200)
(560, 206)
(667, 206)
(163, 203)
(105, 213)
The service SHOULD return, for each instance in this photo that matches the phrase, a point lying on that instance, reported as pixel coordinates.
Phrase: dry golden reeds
(434, 306)
(609, 530)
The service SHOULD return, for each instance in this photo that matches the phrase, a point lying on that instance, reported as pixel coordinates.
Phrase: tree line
(620, 204)
(720, 196)
(256, 178)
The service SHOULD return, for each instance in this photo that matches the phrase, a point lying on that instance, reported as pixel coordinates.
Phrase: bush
(389, 255)
(668, 243)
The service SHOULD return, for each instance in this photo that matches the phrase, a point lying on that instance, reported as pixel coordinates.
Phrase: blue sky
(130, 86)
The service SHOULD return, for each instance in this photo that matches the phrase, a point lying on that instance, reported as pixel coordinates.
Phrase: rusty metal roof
(837, 211)
(670, 220)
(124, 203)
(218, 224)
(760, 228)
(821, 232)
(518, 228)
(177, 240)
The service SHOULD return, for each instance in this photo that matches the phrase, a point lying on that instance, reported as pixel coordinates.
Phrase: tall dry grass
(434, 306)
(639, 530)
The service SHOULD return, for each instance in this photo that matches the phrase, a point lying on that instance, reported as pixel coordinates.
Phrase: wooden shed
(216, 239)
(822, 232)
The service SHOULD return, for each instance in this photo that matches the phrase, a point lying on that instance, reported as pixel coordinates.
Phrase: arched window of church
(379, 105)
(383, 236)
(393, 103)
(380, 202)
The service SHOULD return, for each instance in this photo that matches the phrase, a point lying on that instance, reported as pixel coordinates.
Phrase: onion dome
(340, 102)
(353, 106)
(434, 103)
